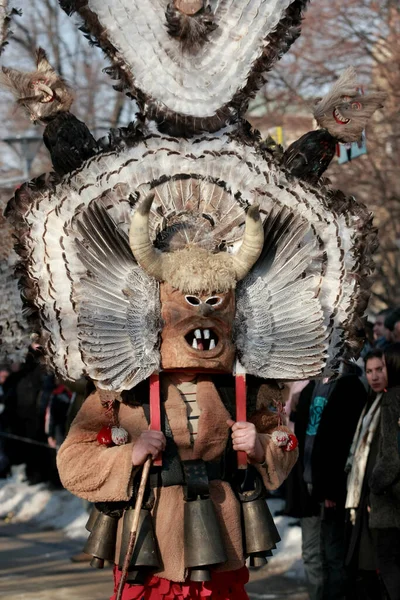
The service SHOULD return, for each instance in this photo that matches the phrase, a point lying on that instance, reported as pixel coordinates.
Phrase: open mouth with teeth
(339, 118)
(202, 339)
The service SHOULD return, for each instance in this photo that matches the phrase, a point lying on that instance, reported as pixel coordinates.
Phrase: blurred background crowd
(345, 488)
(36, 412)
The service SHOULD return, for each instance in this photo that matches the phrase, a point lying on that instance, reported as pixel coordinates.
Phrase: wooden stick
(134, 528)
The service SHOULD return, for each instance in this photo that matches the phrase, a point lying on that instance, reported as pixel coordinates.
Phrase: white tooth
(206, 333)
(197, 334)
(212, 345)
(194, 344)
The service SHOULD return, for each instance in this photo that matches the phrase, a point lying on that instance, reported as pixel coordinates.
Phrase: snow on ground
(44, 508)
(287, 556)
(58, 509)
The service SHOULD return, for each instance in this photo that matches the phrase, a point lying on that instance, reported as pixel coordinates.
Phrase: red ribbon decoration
(241, 412)
(155, 410)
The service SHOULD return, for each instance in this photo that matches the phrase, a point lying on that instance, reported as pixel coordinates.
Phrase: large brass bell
(94, 513)
(203, 540)
(101, 541)
(145, 555)
(261, 534)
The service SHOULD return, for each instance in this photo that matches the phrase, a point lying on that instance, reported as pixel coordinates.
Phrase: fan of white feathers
(195, 68)
(296, 310)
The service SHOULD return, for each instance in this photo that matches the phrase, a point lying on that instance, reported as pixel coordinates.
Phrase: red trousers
(228, 585)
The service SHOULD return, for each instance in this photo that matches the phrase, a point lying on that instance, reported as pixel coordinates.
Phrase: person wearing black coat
(330, 411)
(384, 482)
(24, 418)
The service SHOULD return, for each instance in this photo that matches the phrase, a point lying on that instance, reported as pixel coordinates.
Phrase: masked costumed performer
(200, 434)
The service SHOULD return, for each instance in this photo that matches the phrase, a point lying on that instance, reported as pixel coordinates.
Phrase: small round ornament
(292, 443)
(280, 438)
(119, 436)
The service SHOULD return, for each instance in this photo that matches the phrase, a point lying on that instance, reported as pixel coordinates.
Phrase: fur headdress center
(193, 270)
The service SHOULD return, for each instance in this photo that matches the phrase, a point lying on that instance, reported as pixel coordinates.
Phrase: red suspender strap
(155, 410)
(241, 413)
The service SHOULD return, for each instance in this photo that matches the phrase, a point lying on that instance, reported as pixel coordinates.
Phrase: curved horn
(42, 62)
(150, 259)
(252, 245)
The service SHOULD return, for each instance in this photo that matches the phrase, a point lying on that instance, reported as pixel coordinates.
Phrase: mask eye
(214, 301)
(346, 98)
(356, 105)
(193, 300)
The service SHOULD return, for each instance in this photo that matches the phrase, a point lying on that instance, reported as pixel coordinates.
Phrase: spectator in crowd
(384, 482)
(381, 334)
(23, 389)
(325, 421)
(390, 323)
(360, 558)
(59, 405)
(396, 332)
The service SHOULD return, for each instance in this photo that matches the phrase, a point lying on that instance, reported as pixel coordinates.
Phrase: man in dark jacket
(25, 419)
(325, 421)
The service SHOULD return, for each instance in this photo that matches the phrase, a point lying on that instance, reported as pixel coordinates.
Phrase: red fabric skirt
(228, 585)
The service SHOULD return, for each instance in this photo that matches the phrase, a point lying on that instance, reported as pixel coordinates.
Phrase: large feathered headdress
(232, 45)
(296, 306)
(206, 210)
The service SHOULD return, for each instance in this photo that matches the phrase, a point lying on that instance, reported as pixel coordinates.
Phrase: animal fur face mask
(344, 111)
(197, 330)
(41, 93)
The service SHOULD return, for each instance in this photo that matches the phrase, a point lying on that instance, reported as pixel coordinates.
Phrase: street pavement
(35, 565)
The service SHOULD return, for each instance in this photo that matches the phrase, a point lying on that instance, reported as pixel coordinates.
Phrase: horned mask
(197, 293)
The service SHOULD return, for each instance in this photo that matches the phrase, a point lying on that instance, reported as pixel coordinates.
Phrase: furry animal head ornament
(344, 111)
(197, 293)
(41, 93)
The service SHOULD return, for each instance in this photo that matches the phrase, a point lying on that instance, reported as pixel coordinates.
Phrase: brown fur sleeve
(278, 462)
(88, 469)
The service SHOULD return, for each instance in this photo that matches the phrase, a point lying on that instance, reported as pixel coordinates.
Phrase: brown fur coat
(98, 473)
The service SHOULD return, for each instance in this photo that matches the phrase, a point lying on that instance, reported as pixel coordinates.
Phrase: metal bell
(256, 561)
(145, 552)
(261, 534)
(200, 574)
(101, 541)
(94, 513)
(137, 576)
(203, 540)
(97, 563)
